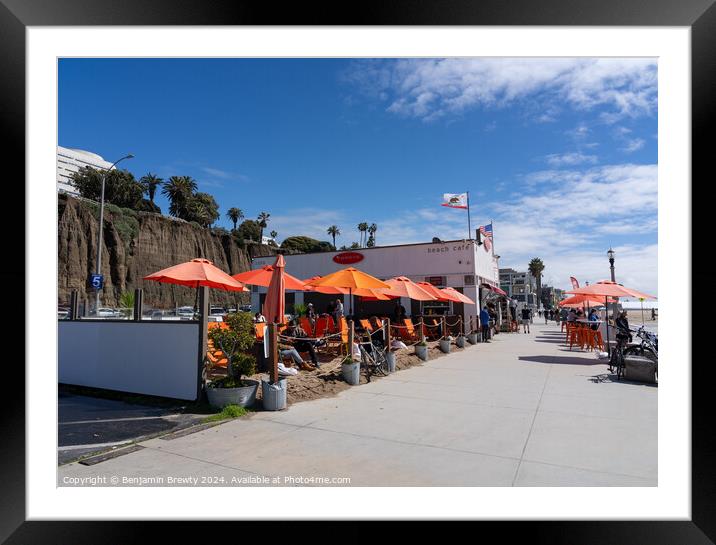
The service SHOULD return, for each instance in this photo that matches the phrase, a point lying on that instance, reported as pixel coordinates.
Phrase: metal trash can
(274, 395)
(640, 369)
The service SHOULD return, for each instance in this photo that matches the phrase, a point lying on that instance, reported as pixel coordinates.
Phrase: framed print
(399, 365)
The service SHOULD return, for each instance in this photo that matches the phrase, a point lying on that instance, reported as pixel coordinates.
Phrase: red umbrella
(262, 277)
(195, 273)
(275, 303)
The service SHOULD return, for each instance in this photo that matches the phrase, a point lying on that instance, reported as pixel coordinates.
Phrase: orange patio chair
(409, 331)
(306, 325)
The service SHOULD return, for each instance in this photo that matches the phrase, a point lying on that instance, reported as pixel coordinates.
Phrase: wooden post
(386, 333)
(351, 336)
(138, 303)
(444, 326)
(74, 305)
(273, 352)
(422, 330)
(460, 326)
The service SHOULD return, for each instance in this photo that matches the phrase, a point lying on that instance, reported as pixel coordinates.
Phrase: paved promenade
(521, 410)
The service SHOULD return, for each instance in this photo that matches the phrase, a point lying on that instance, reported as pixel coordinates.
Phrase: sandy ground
(327, 381)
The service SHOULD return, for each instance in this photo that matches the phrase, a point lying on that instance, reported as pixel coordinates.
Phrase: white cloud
(573, 158)
(634, 145)
(432, 88)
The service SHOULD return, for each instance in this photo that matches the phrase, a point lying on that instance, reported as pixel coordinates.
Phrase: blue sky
(560, 153)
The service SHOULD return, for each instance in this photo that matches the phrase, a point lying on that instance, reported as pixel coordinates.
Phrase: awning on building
(493, 289)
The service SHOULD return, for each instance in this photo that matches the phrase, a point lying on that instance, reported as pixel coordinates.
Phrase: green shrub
(234, 342)
(230, 411)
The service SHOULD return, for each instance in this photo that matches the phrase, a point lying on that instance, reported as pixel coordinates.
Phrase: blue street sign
(97, 281)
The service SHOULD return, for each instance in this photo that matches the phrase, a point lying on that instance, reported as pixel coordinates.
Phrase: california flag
(455, 200)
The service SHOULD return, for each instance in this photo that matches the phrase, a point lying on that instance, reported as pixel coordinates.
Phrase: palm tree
(179, 189)
(273, 234)
(150, 182)
(536, 267)
(234, 214)
(263, 222)
(362, 227)
(371, 230)
(333, 231)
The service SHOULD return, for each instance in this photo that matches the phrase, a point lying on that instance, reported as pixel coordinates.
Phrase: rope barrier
(287, 338)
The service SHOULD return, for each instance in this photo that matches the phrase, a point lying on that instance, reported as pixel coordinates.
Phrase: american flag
(486, 230)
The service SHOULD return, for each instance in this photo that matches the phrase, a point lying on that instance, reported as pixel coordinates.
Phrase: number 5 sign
(97, 281)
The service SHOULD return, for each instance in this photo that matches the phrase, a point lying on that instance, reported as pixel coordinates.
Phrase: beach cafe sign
(348, 258)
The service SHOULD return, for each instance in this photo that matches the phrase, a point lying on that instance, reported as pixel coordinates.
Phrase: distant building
(521, 286)
(551, 296)
(70, 161)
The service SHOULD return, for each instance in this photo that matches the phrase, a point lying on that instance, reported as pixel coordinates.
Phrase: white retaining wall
(151, 358)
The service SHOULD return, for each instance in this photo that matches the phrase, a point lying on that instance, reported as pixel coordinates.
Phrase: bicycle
(616, 362)
(648, 346)
(373, 361)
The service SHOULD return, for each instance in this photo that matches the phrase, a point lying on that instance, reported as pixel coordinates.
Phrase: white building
(461, 264)
(70, 161)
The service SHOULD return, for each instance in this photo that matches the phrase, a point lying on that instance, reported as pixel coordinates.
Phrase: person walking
(546, 316)
(526, 313)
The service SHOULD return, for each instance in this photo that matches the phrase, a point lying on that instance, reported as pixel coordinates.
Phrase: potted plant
(351, 371)
(421, 350)
(445, 344)
(234, 341)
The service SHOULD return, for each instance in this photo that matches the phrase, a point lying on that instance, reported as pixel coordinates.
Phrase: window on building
(469, 280)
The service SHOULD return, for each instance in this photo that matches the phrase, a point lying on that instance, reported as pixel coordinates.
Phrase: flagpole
(469, 228)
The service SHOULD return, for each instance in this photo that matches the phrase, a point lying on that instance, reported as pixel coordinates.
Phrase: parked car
(63, 314)
(214, 318)
(217, 311)
(105, 312)
(245, 308)
(186, 313)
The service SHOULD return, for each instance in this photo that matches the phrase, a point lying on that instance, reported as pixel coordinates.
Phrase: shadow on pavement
(573, 360)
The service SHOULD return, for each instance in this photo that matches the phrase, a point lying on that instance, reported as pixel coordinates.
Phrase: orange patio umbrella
(262, 277)
(581, 300)
(606, 289)
(439, 294)
(402, 286)
(371, 294)
(195, 273)
(275, 304)
(461, 296)
(323, 289)
(351, 279)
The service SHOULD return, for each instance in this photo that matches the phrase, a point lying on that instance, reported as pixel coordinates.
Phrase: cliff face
(136, 244)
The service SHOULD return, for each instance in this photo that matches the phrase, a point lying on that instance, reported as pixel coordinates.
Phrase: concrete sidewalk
(521, 410)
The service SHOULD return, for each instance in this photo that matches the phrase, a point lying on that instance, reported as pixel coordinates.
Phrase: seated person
(295, 330)
(286, 350)
(259, 318)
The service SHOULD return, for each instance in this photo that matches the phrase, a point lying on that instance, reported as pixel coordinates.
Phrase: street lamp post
(610, 253)
(101, 225)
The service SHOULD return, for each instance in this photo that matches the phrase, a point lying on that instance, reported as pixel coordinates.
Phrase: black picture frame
(16, 15)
